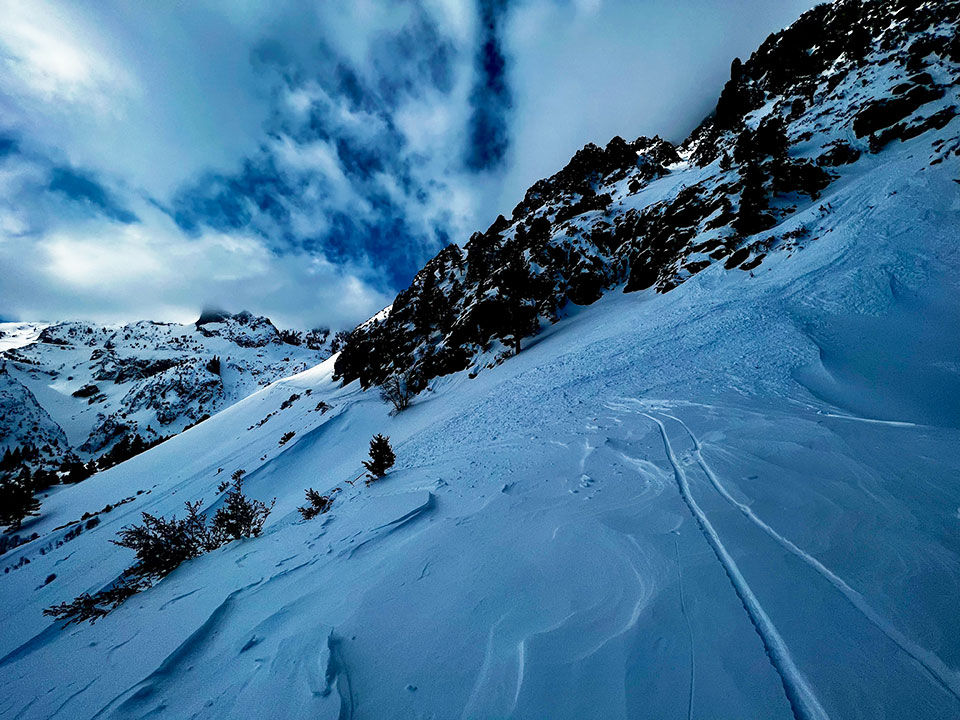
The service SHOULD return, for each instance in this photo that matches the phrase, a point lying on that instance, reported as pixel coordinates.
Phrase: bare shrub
(399, 390)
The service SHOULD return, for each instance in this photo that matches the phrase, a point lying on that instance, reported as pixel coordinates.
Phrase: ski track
(872, 421)
(934, 667)
(686, 619)
(801, 696)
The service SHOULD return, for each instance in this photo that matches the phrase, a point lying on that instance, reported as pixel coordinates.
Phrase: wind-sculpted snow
(419, 504)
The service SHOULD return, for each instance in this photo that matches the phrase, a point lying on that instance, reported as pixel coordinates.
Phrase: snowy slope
(18, 334)
(731, 492)
(23, 421)
(97, 384)
(736, 499)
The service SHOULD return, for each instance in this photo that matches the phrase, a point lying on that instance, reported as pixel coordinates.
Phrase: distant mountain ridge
(79, 388)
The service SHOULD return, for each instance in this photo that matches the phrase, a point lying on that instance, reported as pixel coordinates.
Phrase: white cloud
(83, 262)
(56, 58)
(109, 272)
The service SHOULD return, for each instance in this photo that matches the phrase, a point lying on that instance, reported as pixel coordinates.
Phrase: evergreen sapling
(381, 458)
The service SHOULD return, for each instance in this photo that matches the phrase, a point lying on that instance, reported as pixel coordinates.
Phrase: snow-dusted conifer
(381, 458)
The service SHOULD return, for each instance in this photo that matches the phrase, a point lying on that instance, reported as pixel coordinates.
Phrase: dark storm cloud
(427, 55)
(337, 177)
(8, 146)
(39, 193)
(490, 100)
(84, 189)
(232, 202)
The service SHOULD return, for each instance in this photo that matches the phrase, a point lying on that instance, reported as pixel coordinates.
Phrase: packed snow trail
(802, 698)
(938, 672)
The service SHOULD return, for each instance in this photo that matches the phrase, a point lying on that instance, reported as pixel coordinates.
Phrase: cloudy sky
(303, 159)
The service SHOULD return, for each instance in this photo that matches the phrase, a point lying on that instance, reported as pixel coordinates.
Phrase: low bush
(317, 504)
(162, 545)
(93, 607)
(398, 390)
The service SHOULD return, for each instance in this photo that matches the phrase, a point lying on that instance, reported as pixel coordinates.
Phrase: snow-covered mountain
(729, 492)
(77, 388)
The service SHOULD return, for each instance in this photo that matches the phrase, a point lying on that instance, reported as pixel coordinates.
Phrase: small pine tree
(381, 458)
(239, 517)
(162, 545)
(17, 501)
(317, 504)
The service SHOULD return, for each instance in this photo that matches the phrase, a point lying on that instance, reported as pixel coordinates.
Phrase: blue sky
(302, 160)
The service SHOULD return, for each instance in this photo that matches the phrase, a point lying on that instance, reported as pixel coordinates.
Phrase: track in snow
(872, 421)
(801, 696)
(934, 667)
(686, 618)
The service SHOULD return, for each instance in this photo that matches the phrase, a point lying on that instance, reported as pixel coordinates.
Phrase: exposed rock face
(23, 421)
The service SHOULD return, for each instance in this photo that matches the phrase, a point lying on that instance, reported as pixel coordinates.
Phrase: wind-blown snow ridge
(802, 698)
